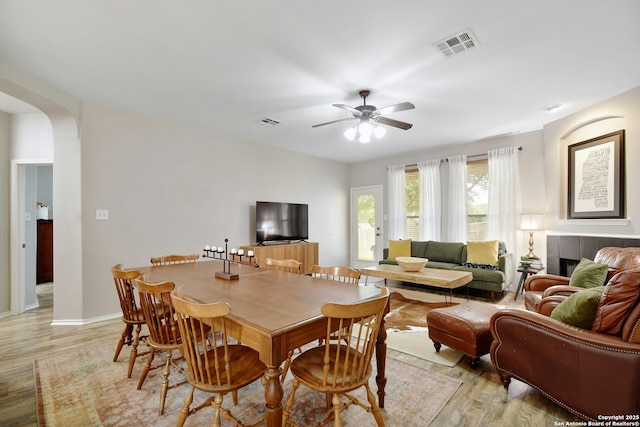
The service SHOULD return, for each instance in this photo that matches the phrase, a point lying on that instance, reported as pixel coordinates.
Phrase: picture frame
(597, 178)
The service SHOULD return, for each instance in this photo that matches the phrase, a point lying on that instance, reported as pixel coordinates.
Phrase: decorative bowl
(411, 263)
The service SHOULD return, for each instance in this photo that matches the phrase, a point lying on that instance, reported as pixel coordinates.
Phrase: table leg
(273, 394)
(381, 358)
(523, 277)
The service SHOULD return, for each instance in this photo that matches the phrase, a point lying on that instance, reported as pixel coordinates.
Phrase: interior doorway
(32, 183)
(366, 226)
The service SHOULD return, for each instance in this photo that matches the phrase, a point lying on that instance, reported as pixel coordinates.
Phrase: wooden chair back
(339, 274)
(155, 299)
(164, 333)
(288, 265)
(343, 363)
(132, 314)
(174, 259)
(215, 363)
(347, 361)
(196, 348)
(123, 279)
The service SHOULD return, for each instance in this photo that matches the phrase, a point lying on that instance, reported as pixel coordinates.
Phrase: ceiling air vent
(268, 122)
(457, 43)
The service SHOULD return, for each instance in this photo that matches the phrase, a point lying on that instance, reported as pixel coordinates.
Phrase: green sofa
(453, 256)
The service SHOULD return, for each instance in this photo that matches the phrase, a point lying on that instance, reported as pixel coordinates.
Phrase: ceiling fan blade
(349, 109)
(395, 123)
(394, 108)
(333, 121)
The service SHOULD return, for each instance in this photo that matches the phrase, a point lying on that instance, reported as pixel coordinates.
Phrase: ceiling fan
(369, 116)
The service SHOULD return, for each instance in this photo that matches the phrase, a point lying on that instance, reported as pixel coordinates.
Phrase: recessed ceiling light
(552, 108)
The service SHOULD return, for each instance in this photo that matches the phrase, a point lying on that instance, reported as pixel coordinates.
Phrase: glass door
(366, 226)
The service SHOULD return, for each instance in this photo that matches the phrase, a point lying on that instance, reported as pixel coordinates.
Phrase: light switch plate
(102, 214)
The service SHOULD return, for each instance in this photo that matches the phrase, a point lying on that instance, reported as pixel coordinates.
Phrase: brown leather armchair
(588, 372)
(540, 286)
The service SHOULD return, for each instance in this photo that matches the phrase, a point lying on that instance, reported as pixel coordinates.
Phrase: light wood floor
(478, 402)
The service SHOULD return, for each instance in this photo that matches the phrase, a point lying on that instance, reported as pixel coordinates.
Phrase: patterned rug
(86, 388)
(407, 330)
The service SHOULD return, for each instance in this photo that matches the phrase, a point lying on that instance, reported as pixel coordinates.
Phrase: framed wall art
(596, 178)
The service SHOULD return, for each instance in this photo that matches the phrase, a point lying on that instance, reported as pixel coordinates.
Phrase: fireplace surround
(565, 252)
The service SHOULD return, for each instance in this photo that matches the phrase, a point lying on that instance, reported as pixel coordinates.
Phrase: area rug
(86, 388)
(407, 330)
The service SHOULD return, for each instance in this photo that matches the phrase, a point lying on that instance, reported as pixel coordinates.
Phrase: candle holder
(222, 253)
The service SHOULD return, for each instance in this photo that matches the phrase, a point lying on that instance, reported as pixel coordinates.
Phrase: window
(413, 203)
(477, 200)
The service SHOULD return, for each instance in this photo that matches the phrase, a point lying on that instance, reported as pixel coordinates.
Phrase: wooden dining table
(272, 312)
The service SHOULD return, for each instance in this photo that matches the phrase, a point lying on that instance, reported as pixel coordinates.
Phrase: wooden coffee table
(447, 279)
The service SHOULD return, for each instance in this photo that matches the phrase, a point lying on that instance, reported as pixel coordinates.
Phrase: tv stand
(305, 252)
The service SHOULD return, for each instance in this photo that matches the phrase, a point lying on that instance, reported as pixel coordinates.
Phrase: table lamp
(531, 222)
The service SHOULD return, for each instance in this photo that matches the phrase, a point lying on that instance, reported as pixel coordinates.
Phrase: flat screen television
(277, 221)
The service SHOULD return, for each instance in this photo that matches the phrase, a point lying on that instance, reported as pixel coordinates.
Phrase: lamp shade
(531, 221)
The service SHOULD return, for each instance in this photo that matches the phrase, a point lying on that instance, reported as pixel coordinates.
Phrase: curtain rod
(415, 165)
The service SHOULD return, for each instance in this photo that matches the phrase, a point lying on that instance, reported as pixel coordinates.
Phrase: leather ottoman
(463, 327)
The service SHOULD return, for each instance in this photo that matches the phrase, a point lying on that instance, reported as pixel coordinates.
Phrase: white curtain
(504, 203)
(430, 199)
(457, 212)
(397, 202)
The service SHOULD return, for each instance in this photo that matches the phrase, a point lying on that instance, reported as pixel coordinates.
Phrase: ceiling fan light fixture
(369, 117)
(379, 132)
(365, 130)
(350, 133)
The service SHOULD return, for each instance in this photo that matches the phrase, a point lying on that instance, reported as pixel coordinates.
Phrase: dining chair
(174, 259)
(339, 274)
(164, 334)
(132, 314)
(288, 265)
(218, 367)
(341, 366)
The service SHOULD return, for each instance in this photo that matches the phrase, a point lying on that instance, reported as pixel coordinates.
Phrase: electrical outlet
(102, 214)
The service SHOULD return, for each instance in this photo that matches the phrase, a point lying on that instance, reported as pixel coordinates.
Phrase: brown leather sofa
(592, 373)
(541, 286)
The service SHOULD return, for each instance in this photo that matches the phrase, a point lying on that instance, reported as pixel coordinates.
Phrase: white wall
(30, 236)
(5, 170)
(63, 110)
(620, 112)
(31, 137)
(171, 188)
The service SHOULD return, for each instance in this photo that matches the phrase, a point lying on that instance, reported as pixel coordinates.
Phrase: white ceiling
(228, 64)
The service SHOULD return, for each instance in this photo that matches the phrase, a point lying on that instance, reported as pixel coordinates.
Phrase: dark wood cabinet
(44, 252)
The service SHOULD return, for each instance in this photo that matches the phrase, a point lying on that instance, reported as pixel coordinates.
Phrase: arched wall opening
(63, 112)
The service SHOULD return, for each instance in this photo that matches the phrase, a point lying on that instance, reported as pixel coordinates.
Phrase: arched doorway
(62, 110)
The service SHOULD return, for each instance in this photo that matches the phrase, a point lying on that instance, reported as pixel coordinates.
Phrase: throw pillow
(450, 252)
(399, 248)
(589, 274)
(483, 252)
(580, 308)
